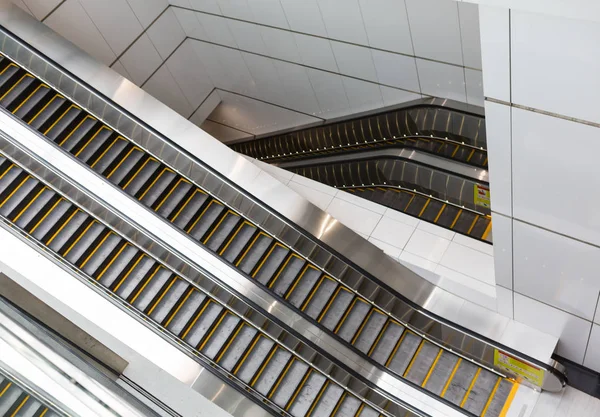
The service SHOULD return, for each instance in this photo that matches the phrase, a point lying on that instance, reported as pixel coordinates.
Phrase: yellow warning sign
(517, 367)
(481, 195)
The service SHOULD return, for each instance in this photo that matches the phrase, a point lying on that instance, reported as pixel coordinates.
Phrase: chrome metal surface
(448, 165)
(205, 275)
(233, 179)
(87, 386)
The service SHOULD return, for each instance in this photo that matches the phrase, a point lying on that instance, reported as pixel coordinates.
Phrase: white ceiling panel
(393, 96)
(435, 29)
(216, 29)
(163, 86)
(304, 16)
(316, 52)
(224, 133)
(355, 61)
(238, 9)
(362, 95)
(72, 22)
(189, 23)
(299, 94)
(255, 116)
(281, 44)
(330, 92)
(166, 34)
(189, 73)
(147, 10)
(442, 80)
(141, 60)
(396, 70)
(387, 25)
(247, 36)
(115, 20)
(41, 8)
(266, 78)
(469, 30)
(268, 12)
(210, 6)
(343, 20)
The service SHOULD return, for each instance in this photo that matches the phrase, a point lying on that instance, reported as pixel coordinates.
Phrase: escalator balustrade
(16, 401)
(326, 300)
(434, 130)
(198, 320)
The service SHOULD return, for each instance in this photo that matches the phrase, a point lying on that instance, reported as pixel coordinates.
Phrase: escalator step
(348, 407)
(119, 265)
(202, 323)
(17, 405)
(371, 329)
(188, 208)
(66, 232)
(253, 358)
(124, 165)
(287, 274)
(140, 173)
(271, 371)
(150, 288)
(480, 227)
(172, 196)
(480, 393)
(328, 401)
(318, 299)
(104, 160)
(303, 285)
(432, 210)
(44, 201)
(254, 253)
(19, 91)
(423, 363)
(336, 308)
(405, 352)
(441, 372)
(90, 149)
(78, 244)
(499, 400)
(21, 199)
(51, 110)
(81, 128)
(206, 219)
(289, 383)
(416, 205)
(270, 263)
(49, 221)
(61, 124)
(222, 230)
(448, 216)
(460, 383)
(232, 353)
(464, 222)
(101, 250)
(157, 187)
(133, 278)
(355, 316)
(15, 192)
(32, 104)
(189, 305)
(222, 333)
(168, 299)
(238, 241)
(307, 394)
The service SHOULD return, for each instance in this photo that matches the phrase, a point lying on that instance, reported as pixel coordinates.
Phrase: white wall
(541, 81)
(276, 64)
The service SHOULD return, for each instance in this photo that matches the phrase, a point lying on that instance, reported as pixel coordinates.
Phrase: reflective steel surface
(231, 177)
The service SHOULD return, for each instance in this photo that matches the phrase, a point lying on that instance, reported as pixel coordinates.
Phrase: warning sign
(516, 366)
(481, 195)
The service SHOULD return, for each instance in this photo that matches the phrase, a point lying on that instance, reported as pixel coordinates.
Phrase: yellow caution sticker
(481, 195)
(517, 367)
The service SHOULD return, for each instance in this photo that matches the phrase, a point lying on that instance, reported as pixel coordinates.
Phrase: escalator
(230, 337)
(380, 326)
(17, 401)
(417, 185)
(428, 126)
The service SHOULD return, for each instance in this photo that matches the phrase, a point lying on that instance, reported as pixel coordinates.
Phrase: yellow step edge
(62, 226)
(46, 215)
(298, 389)
(190, 291)
(231, 339)
(414, 357)
(264, 365)
(198, 315)
(137, 294)
(491, 398)
(29, 204)
(250, 247)
(471, 385)
(437, 358)
(450, 377)
(215, 326)
(140, 257)
(509, 400)
(246, 354)
(95, 249)
(281, 377)
(23, 181)
(164, 293)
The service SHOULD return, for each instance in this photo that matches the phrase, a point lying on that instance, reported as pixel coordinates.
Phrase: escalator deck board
(210, 222)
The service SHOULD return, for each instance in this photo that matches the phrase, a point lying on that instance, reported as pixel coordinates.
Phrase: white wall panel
(427, 246)
(299, 94)
(281, 44)
(355, 217)
(216, 29)
(536, 39)
(224, 133)
(393, 96)
(494, 23)
(474, 80)
(247, 36)
(24, 7)
(236, 76)
(268, 12)
(592, 357)
(163, 86)
(504, 301)
(41, 8)
(115, 20)
(117, 66)
(503, 250)
(435, 29)
(304, 16)
(468, 14)
(469, 262)
(141, 60)
(392, 232)
(238, 9)
(343, 20)
(255, 116)
(192, 78)
(387, 27)
(330, 92)
(355, 61)
(573, 331)
(362, 95)
(442, 80)
(147, 10)
(499, 142)
(316, 52)
(543, 170)
(190, 24)
(210, 6)
(166, 34)
(71, 21)
(207, 106)
(266, 78)
(556, 270)
(396, 70)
